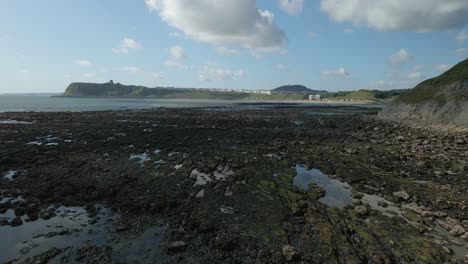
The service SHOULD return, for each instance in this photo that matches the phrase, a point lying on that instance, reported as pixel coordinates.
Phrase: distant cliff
(112, 89)
(441, 99)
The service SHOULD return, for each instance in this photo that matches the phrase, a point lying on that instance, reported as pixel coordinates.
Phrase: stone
(457, 230)
(16, 221)
(20, 211)
(177, 246)
(401, 195)
(382, 204)
(361, 210)
(290, 253)
(3, 221)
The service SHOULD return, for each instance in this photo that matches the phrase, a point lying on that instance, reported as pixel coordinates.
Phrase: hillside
(111, 89)
(298, 89)
(443, 98)
(364, 95)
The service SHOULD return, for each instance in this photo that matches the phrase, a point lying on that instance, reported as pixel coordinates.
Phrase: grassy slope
(429, 89)
(364, 95)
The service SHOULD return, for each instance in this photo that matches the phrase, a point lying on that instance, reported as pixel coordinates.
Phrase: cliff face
(432, 102)
(103, 90)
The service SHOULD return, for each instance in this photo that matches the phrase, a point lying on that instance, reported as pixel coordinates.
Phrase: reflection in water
(70, 228)
(338, 194)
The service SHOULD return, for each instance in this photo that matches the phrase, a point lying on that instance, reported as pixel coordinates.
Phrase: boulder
(290, 253)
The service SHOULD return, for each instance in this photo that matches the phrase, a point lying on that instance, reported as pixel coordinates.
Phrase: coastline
(219, 186)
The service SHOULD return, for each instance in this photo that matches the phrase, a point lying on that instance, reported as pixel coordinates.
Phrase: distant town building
(315, 97)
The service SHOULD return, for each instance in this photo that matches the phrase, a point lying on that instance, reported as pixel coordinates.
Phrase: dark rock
(16, 221)
(177, 246)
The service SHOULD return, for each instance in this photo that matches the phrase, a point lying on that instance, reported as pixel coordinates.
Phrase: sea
(48, 103)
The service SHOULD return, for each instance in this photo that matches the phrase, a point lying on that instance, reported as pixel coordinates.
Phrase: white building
(315, 97)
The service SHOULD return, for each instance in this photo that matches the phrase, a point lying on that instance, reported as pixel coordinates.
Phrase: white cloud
(152, 4)
(222, 22)
(83, 62)
(348, 30)
(89, 75)
(311, 34)
(341, 73)
(127, 45)
(130, 69)
(292, 7)
(176, 35)
(443, 67)
(177, 53)
(414, 76)
(208, 74)
(419, 67)
(226, 51)
(462, 36)
(400, 57)
(399, 15)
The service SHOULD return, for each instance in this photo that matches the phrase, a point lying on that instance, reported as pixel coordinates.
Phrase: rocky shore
(217, 185)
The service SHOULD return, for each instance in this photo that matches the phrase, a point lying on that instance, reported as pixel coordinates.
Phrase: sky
(333, 45)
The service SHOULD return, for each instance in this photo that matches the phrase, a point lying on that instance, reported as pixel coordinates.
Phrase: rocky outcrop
(432, 101)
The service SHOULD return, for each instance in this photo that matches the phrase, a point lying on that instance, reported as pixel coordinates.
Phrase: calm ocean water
(22, 103)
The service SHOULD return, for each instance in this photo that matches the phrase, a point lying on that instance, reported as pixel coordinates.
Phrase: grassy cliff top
(431, 89)
(456, 73)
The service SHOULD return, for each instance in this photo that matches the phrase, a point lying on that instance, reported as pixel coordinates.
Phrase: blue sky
(327, 44)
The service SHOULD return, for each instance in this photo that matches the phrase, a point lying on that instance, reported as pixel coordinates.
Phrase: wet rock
(122, 228)
(33, 216)
(401, 195)
(31, 208)
(361, 210)
(291, 253)
(16, 221)
(177, 246)
(382, 204)
(3, 221)
(357, 202)
(20, 211)
(457, 230)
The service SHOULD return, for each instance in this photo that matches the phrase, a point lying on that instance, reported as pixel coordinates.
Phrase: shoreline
(213, 187)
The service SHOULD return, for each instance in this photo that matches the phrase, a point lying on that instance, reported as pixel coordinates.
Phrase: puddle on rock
(457, 245)
(70, 228)
(337, 193)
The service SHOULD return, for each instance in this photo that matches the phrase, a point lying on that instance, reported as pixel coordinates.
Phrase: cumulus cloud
(177, 53)
(462, 36)
(292, 7)
(400, 57)
(339, 73)
(226, 51)
(222, 22)
(127, 45)
(130, 69)
(83, 62)
(443, 67)
(399, 15)
(208, 74)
